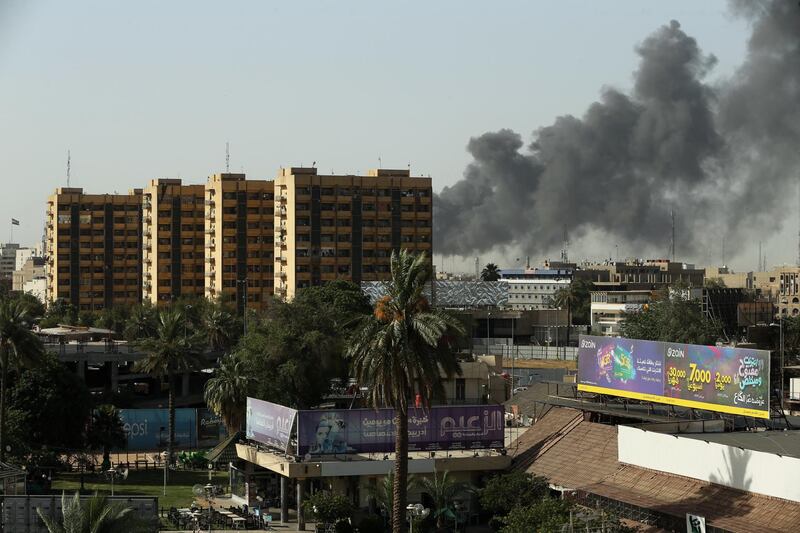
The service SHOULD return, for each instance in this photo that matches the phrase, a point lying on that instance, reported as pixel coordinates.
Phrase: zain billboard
(715, 378)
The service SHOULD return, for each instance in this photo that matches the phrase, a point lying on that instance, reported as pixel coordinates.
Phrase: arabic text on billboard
(269, 423)
(716, 378)
(371, 430)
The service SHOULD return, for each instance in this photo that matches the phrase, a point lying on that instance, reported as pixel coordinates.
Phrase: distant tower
(69, 162)
(565, 246)
(798, 224)
(227, 157)
(723, 250)
(476, 268)
(672, 239)
(759, 257)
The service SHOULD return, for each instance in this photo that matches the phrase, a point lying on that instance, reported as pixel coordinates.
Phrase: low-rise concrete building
(32, 269)
(530, 289)
(610, 303)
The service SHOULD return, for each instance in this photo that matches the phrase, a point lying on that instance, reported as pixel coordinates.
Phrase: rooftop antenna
(798, 225)
(69, 162)
(672, 240)
(565, 249)
(723, 250)
(759, 257)
(476, 269)
(227, 157)
(380, 163)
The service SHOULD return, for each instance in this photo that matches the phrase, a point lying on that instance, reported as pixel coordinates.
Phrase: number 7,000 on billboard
(716, 378)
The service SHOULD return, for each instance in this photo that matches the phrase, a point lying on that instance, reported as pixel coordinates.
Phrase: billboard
(372, 430)
(210, 427)
(716, 378)
(269, 423)
(147, 429)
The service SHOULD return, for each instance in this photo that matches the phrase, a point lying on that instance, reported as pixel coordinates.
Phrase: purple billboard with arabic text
(467, 427)
(269, 423)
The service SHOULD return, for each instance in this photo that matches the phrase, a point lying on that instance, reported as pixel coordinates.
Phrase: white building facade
(534, 289)
(608, 308)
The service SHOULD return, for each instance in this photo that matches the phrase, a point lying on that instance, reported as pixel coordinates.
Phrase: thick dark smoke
(723, 157)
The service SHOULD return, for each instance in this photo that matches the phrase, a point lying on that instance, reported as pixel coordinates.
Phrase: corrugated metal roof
(581, 455)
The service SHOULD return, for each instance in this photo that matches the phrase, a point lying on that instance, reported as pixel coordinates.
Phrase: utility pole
(672, 240)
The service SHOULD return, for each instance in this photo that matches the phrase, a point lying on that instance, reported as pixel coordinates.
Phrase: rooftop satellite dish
(198, 490)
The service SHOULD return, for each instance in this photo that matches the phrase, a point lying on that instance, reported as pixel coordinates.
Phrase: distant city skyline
(154, 90)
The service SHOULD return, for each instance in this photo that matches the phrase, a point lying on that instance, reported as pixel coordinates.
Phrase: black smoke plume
(723, 156)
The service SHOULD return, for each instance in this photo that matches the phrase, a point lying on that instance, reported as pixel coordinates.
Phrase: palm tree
(220, 327)
(19, 347)
(141, 323)
(403, 344)
(444, 490)
(383, 492)
(490, 272)
(95, 515)
(174, 348)
(226, 393)
(106, 431)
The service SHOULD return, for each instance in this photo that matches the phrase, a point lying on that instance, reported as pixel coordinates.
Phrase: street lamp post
(488, 324)
(166, 459)
(209, 488)
(785, 302)
(513, 357)
(112, 472)
(243, 283)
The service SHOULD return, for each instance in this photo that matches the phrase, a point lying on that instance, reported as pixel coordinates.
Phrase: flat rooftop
(773, 441)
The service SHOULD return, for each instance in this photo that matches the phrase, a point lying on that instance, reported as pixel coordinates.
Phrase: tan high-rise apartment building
(345, 227)
(94, 248)
(240, 215)
(173, 222)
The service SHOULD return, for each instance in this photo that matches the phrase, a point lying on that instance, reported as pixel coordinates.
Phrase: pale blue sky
(147, 89)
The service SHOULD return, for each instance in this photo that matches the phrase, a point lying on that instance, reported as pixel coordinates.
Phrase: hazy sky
(146, 89)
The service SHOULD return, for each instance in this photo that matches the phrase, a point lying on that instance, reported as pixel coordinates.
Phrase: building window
(461, 389)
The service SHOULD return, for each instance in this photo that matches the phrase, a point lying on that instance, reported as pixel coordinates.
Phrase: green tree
(490, 272)
(507, 491)
(114, 318)
(340, 300)
(328, 508)
(399, 346)
(175, 347)
(714, 283)
(297, 348)
(548, 514)
(444, 491)
(59, 312)
(671, 317)
(19, 347)
(48, 405)
(105, 432)
(96, 514)
(226, 393)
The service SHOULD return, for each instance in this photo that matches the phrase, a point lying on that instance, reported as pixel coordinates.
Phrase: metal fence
(564, 353)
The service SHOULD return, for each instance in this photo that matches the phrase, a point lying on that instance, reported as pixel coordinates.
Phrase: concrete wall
(748, 470)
